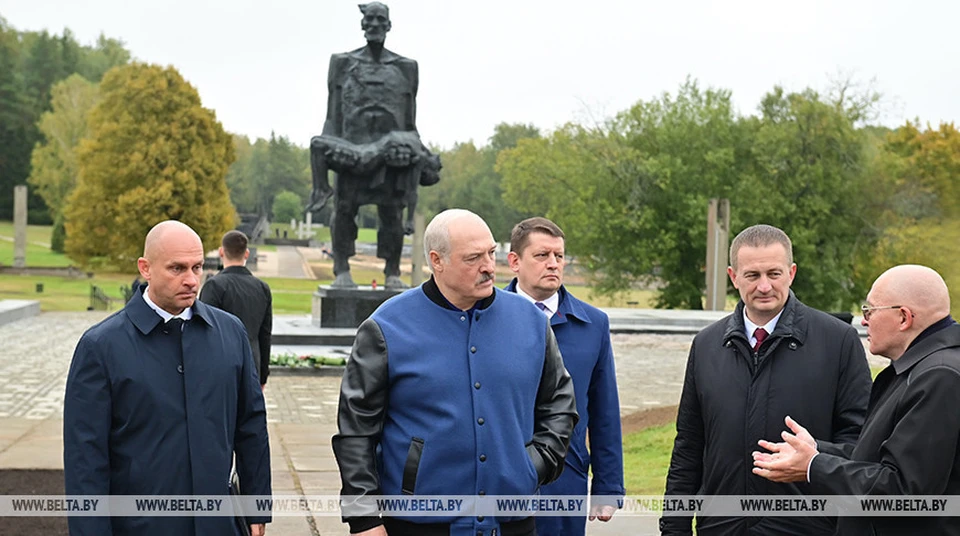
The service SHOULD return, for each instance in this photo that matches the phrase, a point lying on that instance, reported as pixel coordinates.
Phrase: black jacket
(237, 291)
(812, 368)
(910, 444)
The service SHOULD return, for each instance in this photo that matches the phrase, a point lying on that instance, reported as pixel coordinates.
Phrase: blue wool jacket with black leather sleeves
(459, 403)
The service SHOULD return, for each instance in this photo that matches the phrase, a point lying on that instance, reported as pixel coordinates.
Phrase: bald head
(919, 288)
(172, 264)
(166, 233)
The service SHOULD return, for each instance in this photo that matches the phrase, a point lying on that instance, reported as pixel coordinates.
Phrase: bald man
(159, 398)
(910, 442)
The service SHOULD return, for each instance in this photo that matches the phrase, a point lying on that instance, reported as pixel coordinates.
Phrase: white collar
(751, 327)
(552, 303)
(186, 315)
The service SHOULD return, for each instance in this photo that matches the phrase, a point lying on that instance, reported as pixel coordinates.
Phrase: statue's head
(376, 21)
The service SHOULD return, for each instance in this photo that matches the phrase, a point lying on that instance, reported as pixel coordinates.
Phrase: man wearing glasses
(909, 443)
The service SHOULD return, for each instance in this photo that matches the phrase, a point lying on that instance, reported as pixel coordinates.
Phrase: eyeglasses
(868, 310)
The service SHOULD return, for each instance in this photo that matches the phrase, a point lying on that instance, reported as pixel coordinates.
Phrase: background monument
(370, 141)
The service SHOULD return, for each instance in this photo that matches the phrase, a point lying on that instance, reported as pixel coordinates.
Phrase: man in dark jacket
(159, 398)
(910, 444)
(583, 333)
(237, 291)
(453, 388)
(772, 357)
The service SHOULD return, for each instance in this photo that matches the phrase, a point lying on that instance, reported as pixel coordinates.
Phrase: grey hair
(759, 236)
(437, 235)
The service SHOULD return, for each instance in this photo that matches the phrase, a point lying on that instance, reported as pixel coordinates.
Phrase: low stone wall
(12, 310)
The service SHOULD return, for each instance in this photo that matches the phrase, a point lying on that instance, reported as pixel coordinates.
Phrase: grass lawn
(646, 458)
(62, 293)
(35, 233)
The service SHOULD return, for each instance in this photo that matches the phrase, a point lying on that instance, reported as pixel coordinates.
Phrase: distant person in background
(134, 287)
(583, 333)
(237, 291)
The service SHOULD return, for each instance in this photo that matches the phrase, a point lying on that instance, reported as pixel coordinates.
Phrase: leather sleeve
(686, 464)
(555, 414)
(363, 396)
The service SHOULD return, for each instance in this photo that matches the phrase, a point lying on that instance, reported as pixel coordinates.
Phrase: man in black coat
(910, 444)
(237, 291)
(772, 357)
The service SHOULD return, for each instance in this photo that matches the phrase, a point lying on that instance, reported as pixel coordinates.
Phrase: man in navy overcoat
(159, 398)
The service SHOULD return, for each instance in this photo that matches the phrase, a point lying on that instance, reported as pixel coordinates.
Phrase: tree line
(117, 145)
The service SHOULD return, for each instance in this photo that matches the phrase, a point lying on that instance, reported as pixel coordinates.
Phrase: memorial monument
(370, 141)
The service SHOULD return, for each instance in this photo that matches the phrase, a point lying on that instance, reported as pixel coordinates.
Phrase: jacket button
(476, 385)
(180, 369)
(793, 345)
(480, 421)
(462, 318)
(480, 519)
(473, 349)
(483, 457)
(481, 493)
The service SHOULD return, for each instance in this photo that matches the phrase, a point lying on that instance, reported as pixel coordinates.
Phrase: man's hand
(603, 512)
(258, 529)
(787, 461)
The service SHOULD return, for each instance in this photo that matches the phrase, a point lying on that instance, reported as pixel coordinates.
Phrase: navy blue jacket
(583, 333)
(134, 424)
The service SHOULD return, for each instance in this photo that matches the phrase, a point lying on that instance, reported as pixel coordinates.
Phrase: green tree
(154, 153)
(923, 219)
(53, 162)
(632, 195)
(287, 206)
(811, 163)
(30, 64)
(264, 169)
(469, 179)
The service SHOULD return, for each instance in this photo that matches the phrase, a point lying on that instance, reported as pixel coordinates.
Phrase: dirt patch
(648, 418)
(32, 482)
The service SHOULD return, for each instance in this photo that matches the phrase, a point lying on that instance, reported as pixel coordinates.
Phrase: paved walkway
(35, 358)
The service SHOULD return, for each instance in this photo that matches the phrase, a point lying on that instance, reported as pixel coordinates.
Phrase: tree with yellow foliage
(154, 153)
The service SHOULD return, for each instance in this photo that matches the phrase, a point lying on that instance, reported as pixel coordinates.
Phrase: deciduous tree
(154, 153)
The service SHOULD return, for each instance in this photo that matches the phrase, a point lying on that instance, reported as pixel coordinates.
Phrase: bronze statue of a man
(370, 140)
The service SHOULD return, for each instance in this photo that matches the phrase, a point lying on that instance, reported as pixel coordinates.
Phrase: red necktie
(761, 335)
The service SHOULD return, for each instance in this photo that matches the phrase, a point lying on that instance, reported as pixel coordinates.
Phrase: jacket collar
(146, 319)
(948, 337)
(792, 323)
(569, 306)
(236, 270)
(432, 291)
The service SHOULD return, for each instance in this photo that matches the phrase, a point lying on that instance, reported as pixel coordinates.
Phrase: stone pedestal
(347, 307)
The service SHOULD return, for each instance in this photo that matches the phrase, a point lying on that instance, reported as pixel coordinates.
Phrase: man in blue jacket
(583, 333)
(453, 388)
(159, 398)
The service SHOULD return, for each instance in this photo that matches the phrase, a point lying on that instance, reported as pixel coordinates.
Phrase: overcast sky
(262, 64)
